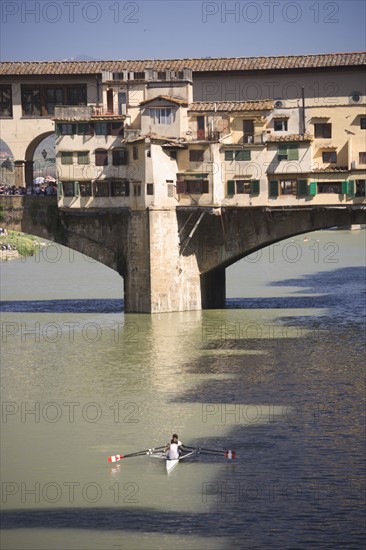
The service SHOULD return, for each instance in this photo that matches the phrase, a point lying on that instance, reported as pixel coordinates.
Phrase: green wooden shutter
(313, 188)
(77, 189)
(255, 187)
(59, 189)
(229, 155)
(273, 188)
(351, 188)
(345, 187)
(293, 151)
(243, 154)
(282, 149)
(231, 187)
(302, 187)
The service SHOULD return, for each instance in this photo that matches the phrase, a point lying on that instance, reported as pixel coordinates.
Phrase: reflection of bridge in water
(170, 260)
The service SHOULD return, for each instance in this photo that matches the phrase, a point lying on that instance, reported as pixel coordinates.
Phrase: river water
(278, 376)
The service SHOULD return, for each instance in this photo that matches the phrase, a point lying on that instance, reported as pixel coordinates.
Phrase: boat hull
(171, 464)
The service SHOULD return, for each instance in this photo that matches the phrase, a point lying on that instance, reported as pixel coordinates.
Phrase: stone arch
(29, 156)
(6, 164)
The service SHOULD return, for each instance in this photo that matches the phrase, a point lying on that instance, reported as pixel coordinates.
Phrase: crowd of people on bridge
(36, 189)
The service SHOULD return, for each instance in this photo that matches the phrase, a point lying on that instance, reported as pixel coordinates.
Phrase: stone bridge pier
(175, 259)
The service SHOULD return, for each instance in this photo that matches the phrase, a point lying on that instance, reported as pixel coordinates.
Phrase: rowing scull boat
(172, 463)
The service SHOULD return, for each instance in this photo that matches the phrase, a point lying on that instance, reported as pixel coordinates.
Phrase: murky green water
(278, 376)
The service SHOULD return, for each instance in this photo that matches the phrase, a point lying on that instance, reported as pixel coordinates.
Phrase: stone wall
(37, 216)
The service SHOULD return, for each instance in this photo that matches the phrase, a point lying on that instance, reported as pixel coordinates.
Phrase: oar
(116, 458)
(228, 454)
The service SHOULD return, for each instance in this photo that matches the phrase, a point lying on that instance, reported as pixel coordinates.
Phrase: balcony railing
(73, 112)
(103, 110)
(204, 135)
(83, 112)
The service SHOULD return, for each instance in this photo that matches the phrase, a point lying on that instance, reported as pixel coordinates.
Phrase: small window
(101, 188)
(288, 187)
(149, 189)
(120, 189)
(288, 151)
(362, 158)
(119, 157)
(135, 152)
(243, 186)
(243, 154)
(76, 95)
(329, 156)
(101, 129)
(280, 125)
(360, 188)
(137, 190)
(248, 131)
(101, 157)
(239, 155)
(52, 96)
(161, 116)
(31, 100)
(84, 128)
(86, 189)
(161, 75)
(68, 189)
(196, 186)
(148, 152)
(330, 187)
(139, 75)
(6, 104)
(115, 129)
(66, 129)
(66, 158)
(323, 130)
(83, 157)
(196, 155)
(363, 123)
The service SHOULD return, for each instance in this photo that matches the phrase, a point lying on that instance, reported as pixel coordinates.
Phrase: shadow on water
(299, 471)
(340, 293)
(141, 519)
(63, 306)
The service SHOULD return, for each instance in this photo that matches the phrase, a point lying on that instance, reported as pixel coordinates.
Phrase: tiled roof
(152, 138)
(209, 64)
(330, 169)
(176, 100)
(231, 106)
(289, 137)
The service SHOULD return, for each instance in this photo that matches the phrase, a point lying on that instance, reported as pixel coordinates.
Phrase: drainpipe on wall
(303, 110)
(98, 90)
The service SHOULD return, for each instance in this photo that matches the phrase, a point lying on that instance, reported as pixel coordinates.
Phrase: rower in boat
(173, 449)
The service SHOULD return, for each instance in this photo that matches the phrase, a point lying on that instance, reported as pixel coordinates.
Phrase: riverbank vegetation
(14, 244)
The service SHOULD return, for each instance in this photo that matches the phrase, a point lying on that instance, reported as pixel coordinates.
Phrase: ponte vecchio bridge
(169, 171)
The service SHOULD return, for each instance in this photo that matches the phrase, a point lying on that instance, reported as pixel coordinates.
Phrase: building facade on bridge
(212, 132)
(170, 171)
